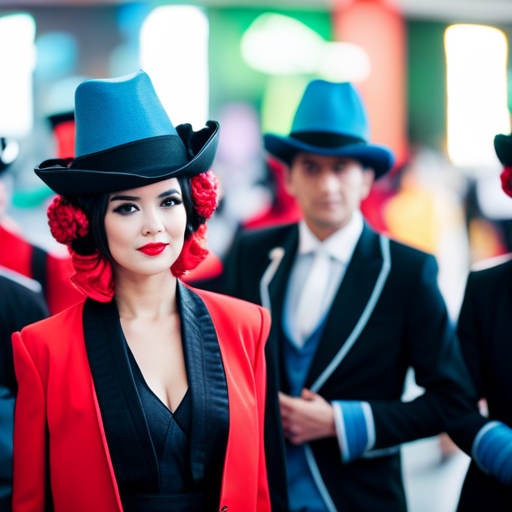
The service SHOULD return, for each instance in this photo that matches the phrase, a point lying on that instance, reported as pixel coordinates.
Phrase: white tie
(312, 298)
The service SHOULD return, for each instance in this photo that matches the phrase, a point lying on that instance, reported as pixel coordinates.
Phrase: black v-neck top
(170, 434)
(161, 462)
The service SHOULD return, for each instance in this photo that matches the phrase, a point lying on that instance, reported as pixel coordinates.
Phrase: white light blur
(476, 58)
(10, 152)
(174, 53)
(280, 45)
(343, 62)
(17, 63)
(493, 202)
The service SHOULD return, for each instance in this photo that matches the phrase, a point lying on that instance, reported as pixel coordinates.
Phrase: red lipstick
(152, 249)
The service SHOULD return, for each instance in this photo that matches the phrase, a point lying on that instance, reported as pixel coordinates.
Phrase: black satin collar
(132, 452)
(208, 387)
(133, 456)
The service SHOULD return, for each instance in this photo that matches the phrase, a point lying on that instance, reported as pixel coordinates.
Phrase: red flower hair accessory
(506, 181)
(92, 273)
(194, 252)
(204, 193)
(67, 222)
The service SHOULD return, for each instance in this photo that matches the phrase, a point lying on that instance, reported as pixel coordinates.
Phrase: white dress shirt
(340, 246)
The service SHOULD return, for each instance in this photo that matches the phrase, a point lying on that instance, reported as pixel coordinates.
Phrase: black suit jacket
(486, 339)
(19, 306)
(387, 316)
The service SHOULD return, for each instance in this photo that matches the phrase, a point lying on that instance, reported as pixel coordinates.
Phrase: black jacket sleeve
(432, 349)
(19, 306)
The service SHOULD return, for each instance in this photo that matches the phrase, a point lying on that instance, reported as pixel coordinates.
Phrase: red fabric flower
(93, 276)
(204, 193)
(194, 252)
(506, 181)
(67, 222)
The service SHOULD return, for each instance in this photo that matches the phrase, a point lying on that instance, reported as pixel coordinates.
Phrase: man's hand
(306, 418)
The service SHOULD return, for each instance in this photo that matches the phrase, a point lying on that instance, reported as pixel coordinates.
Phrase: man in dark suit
(16, 253)
(21, 303)
(484, 334)
(352, 311)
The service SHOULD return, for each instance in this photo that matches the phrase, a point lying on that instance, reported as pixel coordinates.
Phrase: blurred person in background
(352, 311)
(484, 333)
(53, 272)
(427, 213)
(21, 303)
(284, 208)
(149, 395)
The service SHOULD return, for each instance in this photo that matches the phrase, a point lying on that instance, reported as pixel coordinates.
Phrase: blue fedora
(125, 139)
(331, 120)
(503, 147)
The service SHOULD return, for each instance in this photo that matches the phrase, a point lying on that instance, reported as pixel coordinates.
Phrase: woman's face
(145, 227)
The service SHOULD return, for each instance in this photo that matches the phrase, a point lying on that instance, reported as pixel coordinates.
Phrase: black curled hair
(95, 208)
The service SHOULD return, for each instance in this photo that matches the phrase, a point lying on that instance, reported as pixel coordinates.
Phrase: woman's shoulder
(242, 327)
(229, 304)
(235, 311)
(60, 324)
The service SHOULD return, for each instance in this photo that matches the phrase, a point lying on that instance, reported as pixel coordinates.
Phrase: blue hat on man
(125, 139)
(331, 120)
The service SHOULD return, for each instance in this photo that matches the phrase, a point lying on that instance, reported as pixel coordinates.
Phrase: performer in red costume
(52, 272)
(149, 395)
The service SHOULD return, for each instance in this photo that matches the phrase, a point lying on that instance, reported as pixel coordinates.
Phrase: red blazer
(57, 396)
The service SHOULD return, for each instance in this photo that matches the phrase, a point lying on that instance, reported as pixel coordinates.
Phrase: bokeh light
(174, 52)
(56, 55)
(476, 58)
(280, 45)
(17, 61)
(343, 62)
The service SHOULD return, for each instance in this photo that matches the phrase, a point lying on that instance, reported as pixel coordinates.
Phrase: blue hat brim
(78, 181)
(379, 158)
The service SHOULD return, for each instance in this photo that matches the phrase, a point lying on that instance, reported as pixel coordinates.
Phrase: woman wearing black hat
(148, 396)
(484, 332)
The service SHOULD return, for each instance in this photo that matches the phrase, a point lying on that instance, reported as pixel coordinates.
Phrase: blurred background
(435, 76)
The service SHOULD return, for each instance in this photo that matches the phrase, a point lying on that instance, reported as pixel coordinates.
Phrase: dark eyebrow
(169, 192)
(134, 198)
(125, 198)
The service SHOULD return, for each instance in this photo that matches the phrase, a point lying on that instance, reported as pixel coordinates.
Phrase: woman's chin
(153, 269)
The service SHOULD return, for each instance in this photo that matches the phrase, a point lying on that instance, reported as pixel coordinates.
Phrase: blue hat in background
(125, 139)
(331, 120)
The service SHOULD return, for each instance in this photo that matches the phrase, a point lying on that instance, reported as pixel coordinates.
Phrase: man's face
(328, 190)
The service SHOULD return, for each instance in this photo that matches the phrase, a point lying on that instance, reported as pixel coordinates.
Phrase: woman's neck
(149, 297)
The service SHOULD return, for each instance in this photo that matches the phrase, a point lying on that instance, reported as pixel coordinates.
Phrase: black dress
(170, 435)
